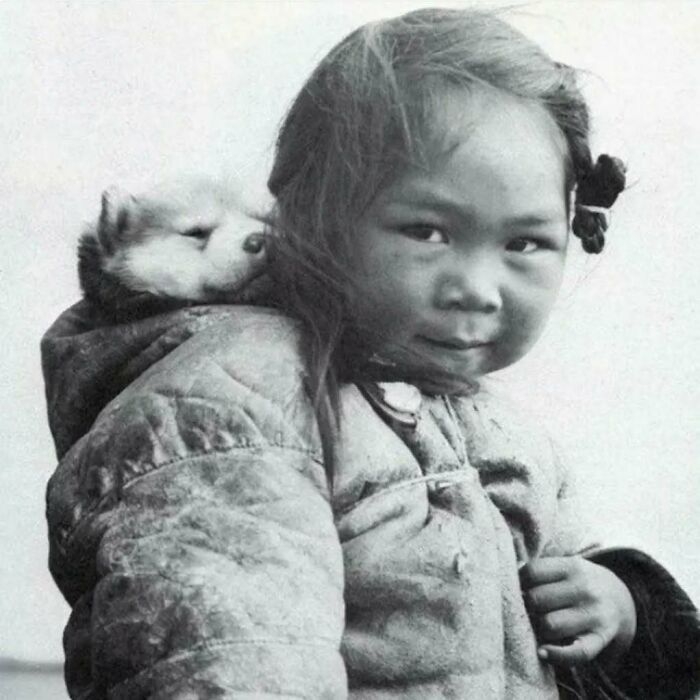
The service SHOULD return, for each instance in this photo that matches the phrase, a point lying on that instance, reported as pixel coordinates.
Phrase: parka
(205, 554)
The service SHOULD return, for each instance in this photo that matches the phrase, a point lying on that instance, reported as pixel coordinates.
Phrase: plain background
(101, 93)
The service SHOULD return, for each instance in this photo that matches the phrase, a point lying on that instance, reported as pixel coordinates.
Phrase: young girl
(324, 499)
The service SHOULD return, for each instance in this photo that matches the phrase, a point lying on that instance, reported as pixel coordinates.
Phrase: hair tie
(596, 210)
(603, 182)
(596, 192)
(590, 226)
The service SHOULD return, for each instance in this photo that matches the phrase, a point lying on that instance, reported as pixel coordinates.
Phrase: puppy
(177, 244)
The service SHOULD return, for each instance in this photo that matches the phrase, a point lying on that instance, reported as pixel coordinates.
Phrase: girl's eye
(425, 233)
(524, 245)
(199, 232)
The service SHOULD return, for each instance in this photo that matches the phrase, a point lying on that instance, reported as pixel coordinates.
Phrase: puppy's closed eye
(199, 232)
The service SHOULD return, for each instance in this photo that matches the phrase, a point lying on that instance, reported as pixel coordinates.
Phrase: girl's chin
(469, 365)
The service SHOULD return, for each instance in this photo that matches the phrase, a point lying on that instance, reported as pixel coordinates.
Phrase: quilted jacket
(194, 534)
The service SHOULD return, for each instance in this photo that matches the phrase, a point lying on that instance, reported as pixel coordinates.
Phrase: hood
(87, 359)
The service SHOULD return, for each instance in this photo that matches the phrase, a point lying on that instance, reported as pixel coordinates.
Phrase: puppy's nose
(254, 243)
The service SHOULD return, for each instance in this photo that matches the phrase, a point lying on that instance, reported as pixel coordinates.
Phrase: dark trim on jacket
(664, 660)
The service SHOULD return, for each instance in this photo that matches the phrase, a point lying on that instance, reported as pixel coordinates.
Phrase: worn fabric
(193, 531)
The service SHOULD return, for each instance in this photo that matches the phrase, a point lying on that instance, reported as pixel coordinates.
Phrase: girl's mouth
(454, 344)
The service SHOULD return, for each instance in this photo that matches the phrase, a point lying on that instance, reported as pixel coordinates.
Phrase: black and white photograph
(352, 350)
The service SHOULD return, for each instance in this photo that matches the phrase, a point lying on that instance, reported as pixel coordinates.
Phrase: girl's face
(461, 262)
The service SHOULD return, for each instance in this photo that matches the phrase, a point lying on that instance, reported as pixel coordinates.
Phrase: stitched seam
(67, 542)
(454, 476)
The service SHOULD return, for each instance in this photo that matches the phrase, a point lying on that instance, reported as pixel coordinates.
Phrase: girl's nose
(472, 286)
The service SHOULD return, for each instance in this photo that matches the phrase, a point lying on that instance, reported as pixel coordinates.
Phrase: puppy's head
(189, 240)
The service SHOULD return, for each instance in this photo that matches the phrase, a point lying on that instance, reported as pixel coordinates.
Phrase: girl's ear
(116, 217)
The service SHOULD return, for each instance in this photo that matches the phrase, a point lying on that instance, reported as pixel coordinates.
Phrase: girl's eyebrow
(544, 218)
(420, 199)
(428, 200)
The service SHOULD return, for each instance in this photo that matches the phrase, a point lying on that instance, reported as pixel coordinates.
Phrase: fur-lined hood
(87, 359)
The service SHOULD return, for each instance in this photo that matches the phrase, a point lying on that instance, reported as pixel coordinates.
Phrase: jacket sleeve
(191, 532)
(664, 660)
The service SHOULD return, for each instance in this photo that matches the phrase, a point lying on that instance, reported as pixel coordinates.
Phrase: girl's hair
(371, 107)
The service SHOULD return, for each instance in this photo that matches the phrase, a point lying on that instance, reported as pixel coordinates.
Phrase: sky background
(122, 92)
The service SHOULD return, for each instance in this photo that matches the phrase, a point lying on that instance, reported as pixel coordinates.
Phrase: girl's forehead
(483, 118)
(501, 155)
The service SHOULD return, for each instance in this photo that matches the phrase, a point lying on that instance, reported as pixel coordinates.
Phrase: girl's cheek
(539, 288)
(400, 270)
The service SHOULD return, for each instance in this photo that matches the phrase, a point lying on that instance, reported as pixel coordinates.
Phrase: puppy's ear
(117, 215)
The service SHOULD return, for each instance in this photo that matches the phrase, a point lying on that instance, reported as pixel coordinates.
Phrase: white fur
(152, 254)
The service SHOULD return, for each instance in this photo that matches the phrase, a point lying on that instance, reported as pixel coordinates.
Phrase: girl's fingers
(561, 625)
(552, 596)
(582, 650)
(545, 570)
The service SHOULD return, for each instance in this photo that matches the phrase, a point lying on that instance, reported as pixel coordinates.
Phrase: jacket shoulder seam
(121, 487)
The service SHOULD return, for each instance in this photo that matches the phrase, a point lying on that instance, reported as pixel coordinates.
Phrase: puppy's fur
(178, 244)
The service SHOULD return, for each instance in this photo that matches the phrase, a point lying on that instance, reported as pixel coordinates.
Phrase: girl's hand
(578, 609)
